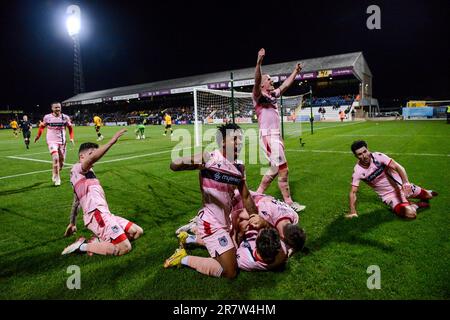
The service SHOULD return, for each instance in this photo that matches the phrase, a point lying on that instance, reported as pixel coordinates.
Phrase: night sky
(128, 42)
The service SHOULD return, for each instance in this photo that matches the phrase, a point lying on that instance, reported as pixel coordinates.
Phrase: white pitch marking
(100, 162)
(390, 135)
(396, 153)
(291, 133)
(27, 173)
(35, 160)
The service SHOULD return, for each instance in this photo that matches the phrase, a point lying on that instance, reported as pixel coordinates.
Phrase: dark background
(131, 42)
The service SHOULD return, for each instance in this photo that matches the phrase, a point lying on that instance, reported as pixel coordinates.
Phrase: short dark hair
(223, 129)
(87, 145)
(55, 102)
(268, 244)
(357, 145)
(294, 236)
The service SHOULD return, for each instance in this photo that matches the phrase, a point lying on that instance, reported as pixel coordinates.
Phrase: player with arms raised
(56, 123)
(266, 107)
(113, 231)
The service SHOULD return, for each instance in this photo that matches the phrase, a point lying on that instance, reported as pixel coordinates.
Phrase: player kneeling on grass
(114, 232)
(220, 175)
(389, 180)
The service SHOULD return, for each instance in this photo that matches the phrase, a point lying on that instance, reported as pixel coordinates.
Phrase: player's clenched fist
(261, 54)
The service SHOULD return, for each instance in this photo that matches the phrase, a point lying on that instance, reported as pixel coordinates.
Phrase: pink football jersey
(89, 191)
(218, 181)
(378, 176)
(246, 253)
(266, 108)
(56, 128)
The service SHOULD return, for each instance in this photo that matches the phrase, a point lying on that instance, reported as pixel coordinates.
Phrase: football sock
(191, 239)
(208, 266)
(103, 248)
(283, 184)
(265, 183)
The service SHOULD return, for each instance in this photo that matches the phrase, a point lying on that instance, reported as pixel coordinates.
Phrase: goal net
(216, 107)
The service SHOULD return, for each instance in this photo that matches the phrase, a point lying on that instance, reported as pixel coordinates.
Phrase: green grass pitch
(413, 256)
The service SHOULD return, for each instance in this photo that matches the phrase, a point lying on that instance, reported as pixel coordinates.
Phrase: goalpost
(215, 107)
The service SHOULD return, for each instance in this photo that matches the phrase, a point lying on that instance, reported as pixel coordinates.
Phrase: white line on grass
(141, 156)
(31, 154)
(390, 135)
(100, 162)
(27, 173)
(35, 160)
(396, 153)
(291, 133)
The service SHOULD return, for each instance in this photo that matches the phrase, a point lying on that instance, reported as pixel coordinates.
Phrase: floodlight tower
(73, 24)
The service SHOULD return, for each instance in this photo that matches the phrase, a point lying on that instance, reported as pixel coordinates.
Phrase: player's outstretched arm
(258, 74)
(89, 161)
(290, 80)
(194, 162)
(39, 133)
(352, 202)
(71, 135)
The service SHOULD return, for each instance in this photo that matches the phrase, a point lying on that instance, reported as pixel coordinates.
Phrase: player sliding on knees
(389, 180)
(114, 232)
(266, 107)
(56, 123)
(220, 175)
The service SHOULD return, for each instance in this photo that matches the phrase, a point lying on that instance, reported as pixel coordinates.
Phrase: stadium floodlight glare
(73, 21)
(73, 24)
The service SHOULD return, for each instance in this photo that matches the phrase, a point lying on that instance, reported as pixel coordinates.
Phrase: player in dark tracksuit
(26, 126)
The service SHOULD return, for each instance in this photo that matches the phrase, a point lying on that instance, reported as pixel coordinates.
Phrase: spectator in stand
(342, 115)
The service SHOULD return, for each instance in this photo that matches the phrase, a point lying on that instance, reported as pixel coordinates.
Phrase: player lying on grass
(257, 249)
(251, 255)
(277, 214)
(389, 180)
(220, 175)
(114, 232)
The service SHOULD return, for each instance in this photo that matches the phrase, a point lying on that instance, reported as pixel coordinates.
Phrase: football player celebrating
(220, 175)
(114, 232)
(56, 123)
(389, 180)
(266, 107)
